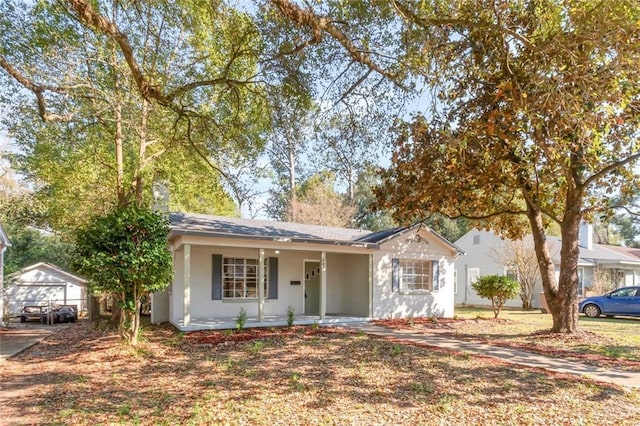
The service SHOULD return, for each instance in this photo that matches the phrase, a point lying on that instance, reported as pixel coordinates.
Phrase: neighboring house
(325, 274)
(599, 265)
(4, 243)
(43, 284)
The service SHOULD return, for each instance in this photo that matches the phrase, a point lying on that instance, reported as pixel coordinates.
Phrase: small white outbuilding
(44, 284)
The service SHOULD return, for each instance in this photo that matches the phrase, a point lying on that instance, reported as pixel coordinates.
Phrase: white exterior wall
(479, 256)
(160, 307)
(348, 284)
(290, 268)
(390, 304)
(176, 290)
(629, 278)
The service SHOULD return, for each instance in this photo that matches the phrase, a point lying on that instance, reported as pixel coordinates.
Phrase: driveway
(19, 336)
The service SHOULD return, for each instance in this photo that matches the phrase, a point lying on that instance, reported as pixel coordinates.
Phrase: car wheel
(23, 319)
(592, 311)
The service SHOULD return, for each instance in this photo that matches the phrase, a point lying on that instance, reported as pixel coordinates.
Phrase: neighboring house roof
(229, 227)
(629, 251)
(599, 254)
(4, 238)
(50, 267)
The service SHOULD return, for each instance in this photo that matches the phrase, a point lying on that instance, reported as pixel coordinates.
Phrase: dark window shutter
(435, 265)
(216, 278)
(395, 274)
(273, 278)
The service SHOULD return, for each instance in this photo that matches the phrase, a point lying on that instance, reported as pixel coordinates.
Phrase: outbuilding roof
(43, 266)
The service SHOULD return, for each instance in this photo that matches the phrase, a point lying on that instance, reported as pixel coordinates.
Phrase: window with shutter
(237, 278)
(419, 276)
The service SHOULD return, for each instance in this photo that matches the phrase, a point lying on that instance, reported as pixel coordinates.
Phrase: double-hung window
(416, 275)
(240, 278)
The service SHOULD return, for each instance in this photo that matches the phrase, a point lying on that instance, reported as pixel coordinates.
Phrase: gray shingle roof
(183, 223)
(599, 253)
(231, 227)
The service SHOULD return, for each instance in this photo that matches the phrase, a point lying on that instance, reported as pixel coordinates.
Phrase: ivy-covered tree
(125, 254)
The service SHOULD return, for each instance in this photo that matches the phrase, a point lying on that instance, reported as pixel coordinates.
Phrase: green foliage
(522, 134)
(125, 253)
(206, 101)
(366, 216)
(317, 202)
(127, 247)
(256, 347)
(241, 319)
(498, 289)
(29, 246)
(291, 315)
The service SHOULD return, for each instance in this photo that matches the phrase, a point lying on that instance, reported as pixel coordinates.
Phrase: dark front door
(311, 287)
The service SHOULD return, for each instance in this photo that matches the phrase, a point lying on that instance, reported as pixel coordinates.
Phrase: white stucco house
(43, 284)
(619, 266)
(4, 243)
(324, 274)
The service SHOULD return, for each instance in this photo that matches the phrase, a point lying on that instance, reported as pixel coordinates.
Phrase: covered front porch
(221, 323)
(216, 279)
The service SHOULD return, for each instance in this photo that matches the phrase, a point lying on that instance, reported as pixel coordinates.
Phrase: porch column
(370, 315)
(261, 281)
(323, 285)
(187, 285)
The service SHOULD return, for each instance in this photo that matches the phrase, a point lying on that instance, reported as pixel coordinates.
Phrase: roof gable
(43, 266)
(390, 234)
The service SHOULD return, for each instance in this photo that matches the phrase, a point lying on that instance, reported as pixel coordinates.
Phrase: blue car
(621, 301)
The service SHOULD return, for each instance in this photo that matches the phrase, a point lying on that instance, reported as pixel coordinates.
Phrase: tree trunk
(561, 294)
(292, 182)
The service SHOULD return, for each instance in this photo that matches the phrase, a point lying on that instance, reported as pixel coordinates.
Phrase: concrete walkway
(14, 340)
(628, 379)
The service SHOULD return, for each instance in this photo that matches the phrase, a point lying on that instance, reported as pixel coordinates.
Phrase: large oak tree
(533, 120)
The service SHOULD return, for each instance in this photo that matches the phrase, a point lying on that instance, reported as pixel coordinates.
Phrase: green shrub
(290, 315)
(498, 289)
(241, 320)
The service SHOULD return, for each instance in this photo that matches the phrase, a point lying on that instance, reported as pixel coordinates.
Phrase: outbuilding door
(39, 294)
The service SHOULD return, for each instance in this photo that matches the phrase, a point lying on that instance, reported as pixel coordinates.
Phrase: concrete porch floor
(268, 321)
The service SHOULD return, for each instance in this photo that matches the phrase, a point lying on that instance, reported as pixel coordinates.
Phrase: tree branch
(610, 168)
(37, 90)
(322, 24)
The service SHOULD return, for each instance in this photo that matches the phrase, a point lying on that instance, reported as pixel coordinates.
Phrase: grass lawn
(299, 376)
(600, 338)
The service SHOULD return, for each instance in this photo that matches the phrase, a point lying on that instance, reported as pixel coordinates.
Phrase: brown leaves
(298, 375)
